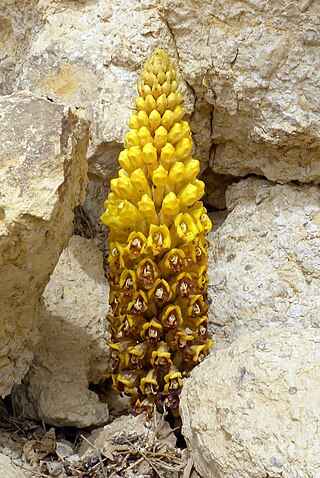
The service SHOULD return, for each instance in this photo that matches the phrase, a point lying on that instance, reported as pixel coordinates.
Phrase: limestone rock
(8, 469)
(252, 409)
(261, 78)
(264, 261)
(42, 177)
(73, 349)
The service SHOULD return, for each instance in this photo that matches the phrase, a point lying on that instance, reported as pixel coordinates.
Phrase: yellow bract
(158, 251)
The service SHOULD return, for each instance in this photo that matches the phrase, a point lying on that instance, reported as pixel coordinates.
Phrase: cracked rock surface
(252, 409)
(72, 350)
(264, 264)
(42, 177)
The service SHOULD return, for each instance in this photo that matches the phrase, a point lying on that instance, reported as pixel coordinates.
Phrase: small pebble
(63, 450)
(54, 468)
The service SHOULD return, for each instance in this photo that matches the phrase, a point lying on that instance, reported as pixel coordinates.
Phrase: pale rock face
(258, 64)
(264, 264)
(252, 409)
(73, 348)
(8, 469)
(42, 177)
(90, 54)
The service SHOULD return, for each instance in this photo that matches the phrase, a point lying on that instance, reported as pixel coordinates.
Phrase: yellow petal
(159, 176)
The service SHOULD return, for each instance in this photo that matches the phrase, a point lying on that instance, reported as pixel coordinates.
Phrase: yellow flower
(147, 272)
(149, 384)
(161, 358)
(159, 239)
(173, 262)
(185, 227)
(197, 306)
(160, 292)
(173, 380)
(127, 381)
(182, 285)
(136, 245)
(151, 331)
(128, 282)
(135, 356)
(171, 317)
(139, 303)
(170, 204)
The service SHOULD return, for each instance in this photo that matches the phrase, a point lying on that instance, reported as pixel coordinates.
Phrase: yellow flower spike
(158, 249)
(125, 187)
(127, 282)
(151, 331)
(144, 136)
(178, 113)
(170, 204)
(160, 137)
(173, 262)
(133, 122)
(147, 208)
(155, 120)
(127, 213)
(175, 133)
(185, 227)
(159, 239)
(183, 148)
(173, 380)
(159, 176)
(176, 174)
(162, 103)
(156, 90)
(161, 358)
(161, 76)
(140, 104)
(192, 168)
(166, 87)
(173, 100)
(160, 293)
(136, 355)
(189, 195)
(138, 305)
(197, 306)
(171, 317)
(132, 138)
(167, 155)
(149, 154)
(167, 119)
(149, 384)
(147, 272)
(143, 119)
(125, 162)
(135, 157)
(185, 133)
(140, 182)
(150, 104)
(136, 245)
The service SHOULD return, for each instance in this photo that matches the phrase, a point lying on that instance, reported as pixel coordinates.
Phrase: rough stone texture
(72, 350)
(258, 64)
(89, 54)
(264, 261)
(8, 469)
(42, 178)
(253, 409)
(216, 187)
